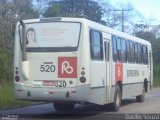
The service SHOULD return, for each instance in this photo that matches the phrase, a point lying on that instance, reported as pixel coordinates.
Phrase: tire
(117, 99)
(141, 98)
(64, 106)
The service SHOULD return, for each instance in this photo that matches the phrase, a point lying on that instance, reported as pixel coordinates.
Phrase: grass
(156, 82)
(7, 98)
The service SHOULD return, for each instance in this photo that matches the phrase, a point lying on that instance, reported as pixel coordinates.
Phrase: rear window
(48, 36)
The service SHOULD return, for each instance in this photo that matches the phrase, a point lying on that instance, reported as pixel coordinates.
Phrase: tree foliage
(113, 14)
(75, 8)
(10, 12)
(146, 35)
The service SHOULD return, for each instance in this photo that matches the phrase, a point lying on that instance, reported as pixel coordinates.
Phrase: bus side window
(132, 48)
(130, 52)
(144, 54)
(124, 50)
(119, 48)
(96, 45)
(138, 53)
(105, 51)
(114, 48)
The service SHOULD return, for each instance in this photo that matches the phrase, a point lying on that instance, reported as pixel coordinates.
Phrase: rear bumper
(79, 93)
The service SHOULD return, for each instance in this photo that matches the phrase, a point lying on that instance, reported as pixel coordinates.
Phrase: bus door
(97, 62)
(107, 49)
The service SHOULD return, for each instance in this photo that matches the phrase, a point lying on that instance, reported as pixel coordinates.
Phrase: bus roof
(93, 25)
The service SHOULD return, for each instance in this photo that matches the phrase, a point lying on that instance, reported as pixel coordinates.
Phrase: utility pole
(122, 17)
(74, 8)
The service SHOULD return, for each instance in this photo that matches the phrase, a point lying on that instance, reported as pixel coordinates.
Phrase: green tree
(116, 15)
(146, 35)
(75, 8)
(10, 12)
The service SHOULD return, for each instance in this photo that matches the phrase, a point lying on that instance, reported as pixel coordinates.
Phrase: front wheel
(64, 106)
(117, 98)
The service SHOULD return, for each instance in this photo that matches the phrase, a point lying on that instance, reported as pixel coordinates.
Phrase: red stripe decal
(119, 72)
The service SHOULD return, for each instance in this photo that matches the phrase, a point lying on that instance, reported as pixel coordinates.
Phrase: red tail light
(83, 78)
(17, 78)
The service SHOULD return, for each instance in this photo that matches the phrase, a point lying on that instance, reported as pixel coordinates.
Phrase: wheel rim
(143, 92)
(118, 99)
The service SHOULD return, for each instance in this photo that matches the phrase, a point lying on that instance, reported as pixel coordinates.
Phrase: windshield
(48, 36)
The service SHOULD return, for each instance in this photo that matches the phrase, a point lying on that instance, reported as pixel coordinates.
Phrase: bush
(6, 67)
(8, 99)
(156, 74)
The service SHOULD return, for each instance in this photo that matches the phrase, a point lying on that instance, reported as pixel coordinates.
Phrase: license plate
(55, 83)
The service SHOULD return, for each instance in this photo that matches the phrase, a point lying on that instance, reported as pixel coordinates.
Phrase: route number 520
(47, 68)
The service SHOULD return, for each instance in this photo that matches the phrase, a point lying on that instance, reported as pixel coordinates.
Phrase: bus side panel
(130, 91)
(17, 56)
(135, 76)
(84, 56)
(98, 96)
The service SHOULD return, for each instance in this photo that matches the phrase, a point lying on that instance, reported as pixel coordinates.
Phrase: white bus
(74, 60)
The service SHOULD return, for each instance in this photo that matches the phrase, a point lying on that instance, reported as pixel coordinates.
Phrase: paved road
(92, 112)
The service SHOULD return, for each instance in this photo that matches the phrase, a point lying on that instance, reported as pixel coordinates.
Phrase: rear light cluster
(17, 78)
(83, 78)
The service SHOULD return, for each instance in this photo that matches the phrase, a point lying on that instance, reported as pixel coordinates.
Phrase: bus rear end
(47, 62)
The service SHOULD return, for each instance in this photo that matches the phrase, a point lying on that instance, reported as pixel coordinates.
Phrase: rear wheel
(64, 106)
(117, 99)
(140, 98)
